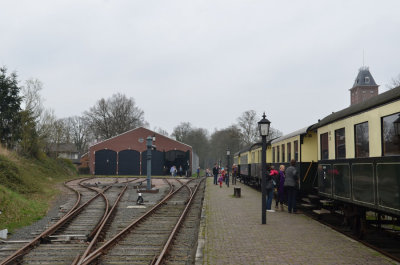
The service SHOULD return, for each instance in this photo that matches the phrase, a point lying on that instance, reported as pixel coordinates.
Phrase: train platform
(232, 233)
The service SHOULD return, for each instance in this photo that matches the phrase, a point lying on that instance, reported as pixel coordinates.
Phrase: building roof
(63, 147)
(290, 135)
(364, 78)
(381, 99)
(137, 129)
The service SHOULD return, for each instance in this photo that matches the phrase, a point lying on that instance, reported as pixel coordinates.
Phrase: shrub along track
(60, 243)
(143, 241)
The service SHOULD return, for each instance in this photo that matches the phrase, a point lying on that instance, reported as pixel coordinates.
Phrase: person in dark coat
(280, 198)
(215, 173)
(270, 187)
(291, 184)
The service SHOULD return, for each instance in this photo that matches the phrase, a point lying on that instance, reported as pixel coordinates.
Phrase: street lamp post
(149, 144)
(263, 127)
(228, 153)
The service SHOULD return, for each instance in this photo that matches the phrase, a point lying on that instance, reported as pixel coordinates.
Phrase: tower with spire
(364, 87)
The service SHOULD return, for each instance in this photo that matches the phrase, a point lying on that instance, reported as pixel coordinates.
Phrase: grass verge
(28, 186)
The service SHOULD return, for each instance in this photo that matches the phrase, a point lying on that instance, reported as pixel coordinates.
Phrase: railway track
(66, 236)
(104, 209)
(183, 247)
(147, 239)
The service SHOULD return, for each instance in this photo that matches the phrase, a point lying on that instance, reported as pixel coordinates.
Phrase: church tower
(364, 87)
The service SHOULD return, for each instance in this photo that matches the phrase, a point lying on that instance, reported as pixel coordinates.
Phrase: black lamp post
(263, 127)
(149, 144)
(228, 153)
(396, 125)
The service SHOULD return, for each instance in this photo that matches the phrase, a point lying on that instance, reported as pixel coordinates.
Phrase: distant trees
(181, 131)
(26, 125)
(212, 148)
(223, 139)
(10, 106)
(113, 116)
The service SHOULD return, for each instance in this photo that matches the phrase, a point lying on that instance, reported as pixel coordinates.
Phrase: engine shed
(125, 154)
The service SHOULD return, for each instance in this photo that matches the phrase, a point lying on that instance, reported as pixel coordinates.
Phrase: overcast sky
(203, 62)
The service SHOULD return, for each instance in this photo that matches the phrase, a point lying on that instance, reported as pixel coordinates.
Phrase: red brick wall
(360, 94)
(130, 140)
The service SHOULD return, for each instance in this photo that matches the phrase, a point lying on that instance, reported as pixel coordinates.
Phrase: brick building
(364, 87)
(125, 154)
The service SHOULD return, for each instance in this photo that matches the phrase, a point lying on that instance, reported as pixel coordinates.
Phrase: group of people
(174, 172)
(279, 184)
(221, 175)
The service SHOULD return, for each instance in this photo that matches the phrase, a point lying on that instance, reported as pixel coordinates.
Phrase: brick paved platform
(233, 234)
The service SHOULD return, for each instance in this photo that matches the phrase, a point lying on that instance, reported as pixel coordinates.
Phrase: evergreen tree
(10, 106)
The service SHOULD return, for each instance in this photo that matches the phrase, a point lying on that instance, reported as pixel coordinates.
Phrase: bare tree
(32, 99)
(113, 116)
(44, 125)
(273, 134)
(78, 131)
(395, 82)
(248, 126)
(161, 131)
(181, 131)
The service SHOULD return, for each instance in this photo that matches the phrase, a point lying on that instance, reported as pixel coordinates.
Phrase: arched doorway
(128, 162)
(105, 162)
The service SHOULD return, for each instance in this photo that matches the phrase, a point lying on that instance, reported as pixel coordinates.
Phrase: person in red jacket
(271, 176)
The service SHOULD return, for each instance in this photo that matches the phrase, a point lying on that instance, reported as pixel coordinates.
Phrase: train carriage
(301, 146)
(359, 154)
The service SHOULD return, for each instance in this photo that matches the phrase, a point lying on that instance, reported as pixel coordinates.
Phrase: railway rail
(60, 242)
(103, 211)
(147, 239)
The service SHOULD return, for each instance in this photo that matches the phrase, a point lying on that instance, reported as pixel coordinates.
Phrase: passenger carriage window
(273, 154)
(390, 138)
(283, 153)
(324, 146)
(277, 153)
(361, 140)
(340, 143)
(296, 150)
(289, 152)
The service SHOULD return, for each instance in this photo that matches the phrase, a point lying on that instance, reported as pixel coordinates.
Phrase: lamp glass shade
(263, 126)
(228, 152)
(264, 129)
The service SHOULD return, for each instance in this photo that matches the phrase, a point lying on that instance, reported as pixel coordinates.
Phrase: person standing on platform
(270, 187)
(198, 172)
(220, 180)
(172, 171)
(215, 173)
(291, 184)
(226, 177)
(180, 171)
(234, 174)
(280, 198)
